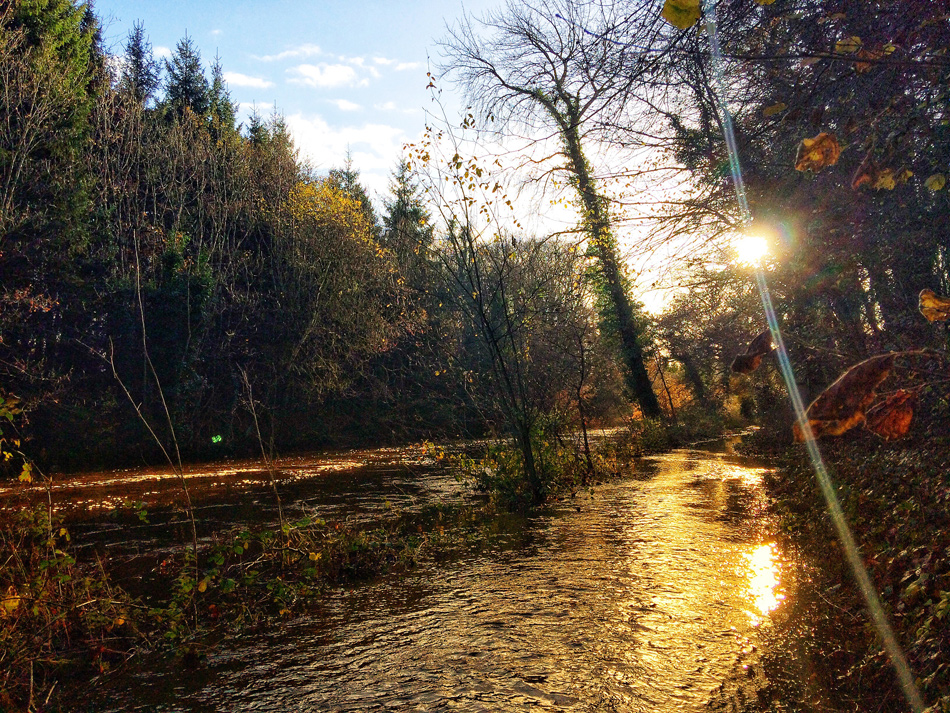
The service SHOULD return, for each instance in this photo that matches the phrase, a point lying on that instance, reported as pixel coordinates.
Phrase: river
(656, 592)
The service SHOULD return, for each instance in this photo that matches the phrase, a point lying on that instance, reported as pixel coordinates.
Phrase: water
(654, 593)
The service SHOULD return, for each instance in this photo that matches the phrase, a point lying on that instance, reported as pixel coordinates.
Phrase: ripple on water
(645, 600)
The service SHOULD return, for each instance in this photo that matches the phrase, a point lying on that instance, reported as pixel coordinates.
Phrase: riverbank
(896, 497)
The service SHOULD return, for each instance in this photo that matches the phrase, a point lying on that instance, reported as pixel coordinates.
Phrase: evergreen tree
(407, 228)
(186, 85)
(140, 73)
(347, 179)
(257, 132)
(223, 111)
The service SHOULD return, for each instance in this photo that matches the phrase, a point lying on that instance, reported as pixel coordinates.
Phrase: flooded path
(648, 595)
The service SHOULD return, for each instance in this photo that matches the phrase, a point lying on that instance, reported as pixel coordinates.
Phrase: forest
(177, 286)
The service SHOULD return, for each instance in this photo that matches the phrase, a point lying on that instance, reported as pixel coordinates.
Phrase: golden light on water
(751, 249)
(762, 570)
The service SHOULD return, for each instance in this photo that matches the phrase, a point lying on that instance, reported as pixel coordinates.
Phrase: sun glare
(750, 249)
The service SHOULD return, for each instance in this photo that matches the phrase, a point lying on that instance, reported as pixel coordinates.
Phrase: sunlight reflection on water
(763, 572)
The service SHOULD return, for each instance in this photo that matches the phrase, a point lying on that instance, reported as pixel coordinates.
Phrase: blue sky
(345, 74)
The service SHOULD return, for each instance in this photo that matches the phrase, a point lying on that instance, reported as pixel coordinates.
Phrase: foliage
(54, 611)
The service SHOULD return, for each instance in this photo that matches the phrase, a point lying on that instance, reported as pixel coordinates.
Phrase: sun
(751, 249)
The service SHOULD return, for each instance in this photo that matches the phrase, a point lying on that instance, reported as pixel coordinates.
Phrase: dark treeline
(158, 255)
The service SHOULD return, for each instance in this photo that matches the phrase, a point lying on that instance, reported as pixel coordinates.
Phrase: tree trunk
(605, 248)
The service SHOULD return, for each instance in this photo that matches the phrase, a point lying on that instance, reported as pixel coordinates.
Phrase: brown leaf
(817, 153)
(746, 363)
(840, 407)
(758, 348)
(934, 307)
(866, 175)
(891, 418)
(873, 55)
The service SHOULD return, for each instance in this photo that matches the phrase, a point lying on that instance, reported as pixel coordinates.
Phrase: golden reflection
(762, 569)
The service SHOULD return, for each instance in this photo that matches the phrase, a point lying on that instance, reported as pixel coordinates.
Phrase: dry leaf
(682, 14)
(774, 109)
(890, 419)
(934, 307)
(873, 55)
(817, 153)
(849, 45)
(840, 407)
(758, 348)
(746, 363)
(765, 2)
(866, 175)
(936, 182)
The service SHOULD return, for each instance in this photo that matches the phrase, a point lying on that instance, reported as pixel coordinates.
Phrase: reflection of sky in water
(762, 568)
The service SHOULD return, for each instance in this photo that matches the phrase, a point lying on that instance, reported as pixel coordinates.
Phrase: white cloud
(236, 79)
(403, 66)
(344, 105)
(306, 50)
(161, 52)
(388, 106)
(384, 61)
(375, 148)
(325, 76)
(215, 33)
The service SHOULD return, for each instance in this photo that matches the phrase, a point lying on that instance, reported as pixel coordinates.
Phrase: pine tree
(407, 229)
(140, 73)
(347, 179)
(223, 111)
(186, 85)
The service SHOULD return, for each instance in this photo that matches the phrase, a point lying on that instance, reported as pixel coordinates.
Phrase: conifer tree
(140, 73)
(223, 111)
(186, 85)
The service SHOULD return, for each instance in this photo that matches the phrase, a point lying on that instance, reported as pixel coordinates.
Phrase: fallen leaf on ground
(841, 406)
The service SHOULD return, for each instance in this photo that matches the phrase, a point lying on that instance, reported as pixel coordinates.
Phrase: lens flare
(751, 249)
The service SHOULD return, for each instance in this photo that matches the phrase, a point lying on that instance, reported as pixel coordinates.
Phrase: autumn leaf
(758, 348)
(841, 406)
(849, 45)
(765, 2)
(682, 14)
(936, 182)
(777, 108)
(10, 602)
(934, 307)
(873, 55)
(817, 153)
(890, 419)
(866, 175)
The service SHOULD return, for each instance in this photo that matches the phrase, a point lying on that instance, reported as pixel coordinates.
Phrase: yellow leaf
(314, 556)
(774, 109)
(936, 182)
(10, 602)
(203, 585)
(817, 153)
(886, 180)
(765, 2)
(934, 307)
(119, 621)
(849, 45)
(682, 14)
(284, 612)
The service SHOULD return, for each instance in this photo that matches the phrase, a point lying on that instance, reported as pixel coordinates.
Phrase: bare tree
(565, 69)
